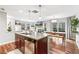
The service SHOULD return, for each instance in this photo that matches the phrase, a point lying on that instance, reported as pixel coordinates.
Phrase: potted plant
(74, 23)
(9, 27)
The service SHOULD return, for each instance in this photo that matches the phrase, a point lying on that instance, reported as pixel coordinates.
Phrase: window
(54, 27)
(62, 27)
(58, 27)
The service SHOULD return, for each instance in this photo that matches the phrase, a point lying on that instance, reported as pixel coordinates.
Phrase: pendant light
(29, 11)
(40, 11)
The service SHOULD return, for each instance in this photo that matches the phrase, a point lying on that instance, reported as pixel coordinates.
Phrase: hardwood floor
(7, 48)
(56, 49)
(70, 47)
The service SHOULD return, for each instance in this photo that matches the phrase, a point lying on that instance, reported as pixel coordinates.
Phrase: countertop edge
(29, 36)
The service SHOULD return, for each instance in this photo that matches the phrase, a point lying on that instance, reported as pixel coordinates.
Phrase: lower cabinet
(41, 46)
(31, 46)
(20, 42)
(22, 45)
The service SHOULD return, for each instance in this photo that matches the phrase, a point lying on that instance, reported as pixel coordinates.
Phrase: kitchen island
(32, 43)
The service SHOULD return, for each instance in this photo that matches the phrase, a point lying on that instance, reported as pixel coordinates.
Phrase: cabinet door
(41, 46)
(17, 41)
(22, 44)
(29, 46)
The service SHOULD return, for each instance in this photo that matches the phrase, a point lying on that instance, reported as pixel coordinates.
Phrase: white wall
(5, 36)
(12, 33)
(3, 22)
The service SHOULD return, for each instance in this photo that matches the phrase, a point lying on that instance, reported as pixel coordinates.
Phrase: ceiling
(53, 11)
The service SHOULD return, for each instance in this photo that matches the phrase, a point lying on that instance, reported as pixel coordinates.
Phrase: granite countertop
(33, 36)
